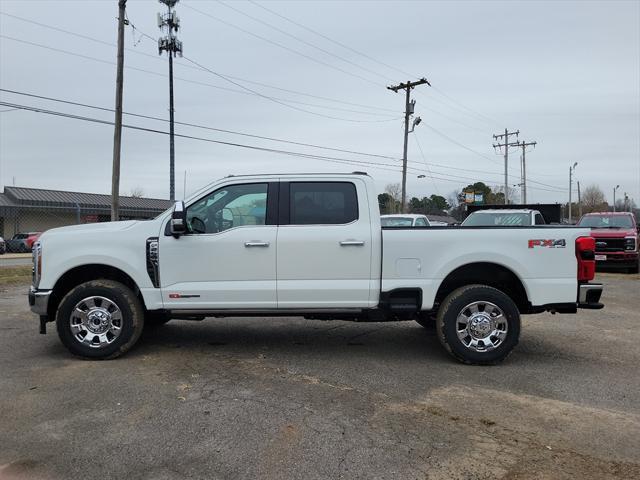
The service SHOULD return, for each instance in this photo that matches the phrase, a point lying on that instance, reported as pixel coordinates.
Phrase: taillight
(585, 253)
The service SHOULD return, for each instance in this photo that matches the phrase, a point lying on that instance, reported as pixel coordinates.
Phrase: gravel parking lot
(290, 398)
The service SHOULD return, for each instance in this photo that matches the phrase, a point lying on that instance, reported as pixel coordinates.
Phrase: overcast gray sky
(566, 74)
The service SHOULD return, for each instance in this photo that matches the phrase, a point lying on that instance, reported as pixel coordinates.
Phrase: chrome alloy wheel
(96, 321)
(481, 326)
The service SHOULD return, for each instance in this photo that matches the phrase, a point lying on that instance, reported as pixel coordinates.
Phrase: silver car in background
(404, 220)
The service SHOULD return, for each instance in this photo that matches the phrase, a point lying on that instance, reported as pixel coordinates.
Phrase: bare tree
(498, 191)
(593, 200)
(625, 204)
(453, 199)
(137, 192)
(395, 192)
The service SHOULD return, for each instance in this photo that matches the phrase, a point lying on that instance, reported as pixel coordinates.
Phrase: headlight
(37, 264)
(630, 243)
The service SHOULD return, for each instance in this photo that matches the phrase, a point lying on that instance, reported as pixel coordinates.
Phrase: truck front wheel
(478, 324)
(100, 319)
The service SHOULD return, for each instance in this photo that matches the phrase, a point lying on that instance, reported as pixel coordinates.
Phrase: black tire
(427, 320)
(455, 304)
(154, 320)
(635, 268)
(132, 322)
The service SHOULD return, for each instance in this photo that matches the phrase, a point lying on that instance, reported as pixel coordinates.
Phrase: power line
(187, 124)
(143, 34)
(284, 32)
(155, 57)
(340, 160)
(224, 77)
(195, 82)
(261, 137)
(315, 32)
(245, 91)
(330, 39)
(284, 47)
(193, 137)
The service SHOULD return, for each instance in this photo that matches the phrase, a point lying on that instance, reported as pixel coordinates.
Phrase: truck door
(227, 260)
(324, 245)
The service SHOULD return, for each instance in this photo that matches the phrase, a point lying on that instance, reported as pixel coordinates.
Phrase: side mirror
(178, 219)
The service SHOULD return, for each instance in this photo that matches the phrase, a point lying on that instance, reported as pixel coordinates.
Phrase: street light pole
(614, 197)
(571, 170)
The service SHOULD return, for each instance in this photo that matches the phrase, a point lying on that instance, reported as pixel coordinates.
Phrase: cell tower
(170, 23)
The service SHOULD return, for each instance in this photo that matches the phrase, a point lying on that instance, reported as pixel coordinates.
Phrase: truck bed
(424, 257)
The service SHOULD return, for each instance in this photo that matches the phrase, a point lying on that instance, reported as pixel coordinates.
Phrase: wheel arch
(84, 273)
(486, 273)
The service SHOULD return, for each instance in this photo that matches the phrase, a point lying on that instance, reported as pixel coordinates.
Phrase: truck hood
(613, 232)
(98, 228)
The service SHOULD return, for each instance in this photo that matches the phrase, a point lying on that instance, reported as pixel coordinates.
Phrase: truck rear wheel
(100, 319)
(478, 325)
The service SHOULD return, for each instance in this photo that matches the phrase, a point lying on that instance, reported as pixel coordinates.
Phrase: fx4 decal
(561, 243)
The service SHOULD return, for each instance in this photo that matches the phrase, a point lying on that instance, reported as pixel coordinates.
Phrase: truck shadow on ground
(293, 337)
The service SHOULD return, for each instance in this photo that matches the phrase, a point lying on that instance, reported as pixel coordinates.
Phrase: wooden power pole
(523, 166)
(117, 132)
(409, 107)
(506, 146)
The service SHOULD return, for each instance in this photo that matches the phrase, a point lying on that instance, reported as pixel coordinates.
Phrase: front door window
(229, 207)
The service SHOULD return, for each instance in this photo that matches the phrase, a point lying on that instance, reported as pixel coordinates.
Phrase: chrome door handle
(256, 244)
(352, 243)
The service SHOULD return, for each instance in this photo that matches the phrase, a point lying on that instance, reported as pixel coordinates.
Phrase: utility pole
(571, 170)
(506, 146)
(523, 169)
(409, 107)
(117, 131)
(172, 46)
(579, 202)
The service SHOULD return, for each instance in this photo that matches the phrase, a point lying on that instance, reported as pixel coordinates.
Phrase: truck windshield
(396, 221)
(603, 221)
(509, 219)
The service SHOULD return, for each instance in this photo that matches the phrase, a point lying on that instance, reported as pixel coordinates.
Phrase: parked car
(404, 220)
(3, 246)
(616, 236)
(504, 218)
(22, 242)
(316, 250)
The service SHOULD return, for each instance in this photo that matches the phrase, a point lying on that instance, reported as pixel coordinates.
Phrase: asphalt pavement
(288, 398)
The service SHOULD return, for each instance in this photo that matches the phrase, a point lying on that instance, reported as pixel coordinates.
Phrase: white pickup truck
(305, 245)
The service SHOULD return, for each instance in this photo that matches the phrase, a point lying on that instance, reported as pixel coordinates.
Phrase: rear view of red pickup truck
(616, 236)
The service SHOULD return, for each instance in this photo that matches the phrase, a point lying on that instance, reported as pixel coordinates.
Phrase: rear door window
(322, 203)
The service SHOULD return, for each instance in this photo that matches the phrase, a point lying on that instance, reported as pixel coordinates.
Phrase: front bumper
(617, 259)
(39, 301)
(589, 296)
